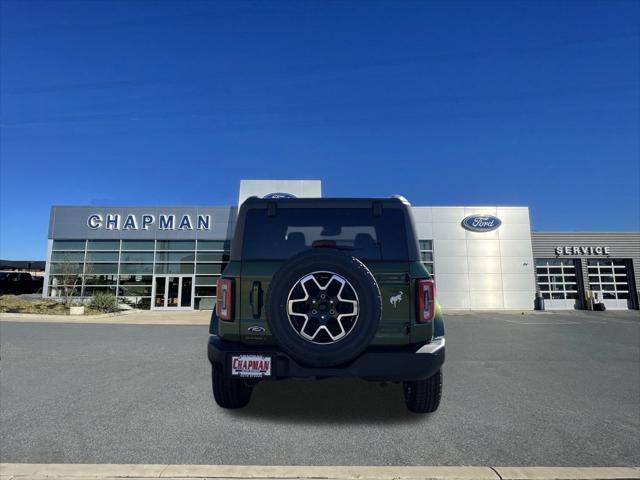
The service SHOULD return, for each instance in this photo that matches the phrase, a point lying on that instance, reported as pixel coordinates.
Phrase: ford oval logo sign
(481, 223)
(277, 195)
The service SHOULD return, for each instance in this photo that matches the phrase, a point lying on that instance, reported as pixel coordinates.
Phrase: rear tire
(228, 392)
(423, 396)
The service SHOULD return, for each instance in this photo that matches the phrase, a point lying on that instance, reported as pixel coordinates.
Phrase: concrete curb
(23, 471)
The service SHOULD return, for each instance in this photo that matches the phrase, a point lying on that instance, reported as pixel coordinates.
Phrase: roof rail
(401, 198)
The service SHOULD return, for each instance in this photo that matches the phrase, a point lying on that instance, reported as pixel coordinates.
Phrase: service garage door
(610, 280)
(558, 283)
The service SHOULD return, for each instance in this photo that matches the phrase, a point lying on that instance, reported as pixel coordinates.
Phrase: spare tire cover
(323, 307)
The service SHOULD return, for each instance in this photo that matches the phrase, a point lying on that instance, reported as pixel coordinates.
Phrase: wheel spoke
(331, 321)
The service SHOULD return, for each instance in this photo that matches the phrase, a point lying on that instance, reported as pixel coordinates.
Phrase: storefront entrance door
(173, 292)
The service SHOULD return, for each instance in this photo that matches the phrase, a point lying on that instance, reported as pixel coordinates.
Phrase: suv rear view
(319, 288)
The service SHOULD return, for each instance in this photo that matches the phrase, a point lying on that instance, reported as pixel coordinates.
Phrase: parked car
(17, 283)
(326, 288)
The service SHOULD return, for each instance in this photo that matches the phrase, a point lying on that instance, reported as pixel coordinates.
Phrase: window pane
(136, 257)
(136, 279)
(100, 279)
(66, 268)
(572, 295)
(175, 256)
(67, 257)
(130, 291)
(101, 268)
(543, 279)
(65, 280)
(205, 291)
(544, 287)
(429, 267)
(214, 244)
(90, 291)
(68, 244)
(174, 267)
(213, 257)
(206, 281)
(136, 268)
(426, 244)
(557, 296)
(138, 244)
(103, 245)
(176, 245)
(102, 256)
(426, 256)
(294, 230)
(204, 268)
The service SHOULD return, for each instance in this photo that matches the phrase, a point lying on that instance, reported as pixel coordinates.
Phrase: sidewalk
(126, 317)
(20, 471)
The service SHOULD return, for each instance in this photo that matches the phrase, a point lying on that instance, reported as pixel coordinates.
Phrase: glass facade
(126, 268)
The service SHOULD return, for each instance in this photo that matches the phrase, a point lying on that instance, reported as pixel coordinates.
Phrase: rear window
(355, 230)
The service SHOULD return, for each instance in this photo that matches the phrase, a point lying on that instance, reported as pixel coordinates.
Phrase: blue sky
(448, 103)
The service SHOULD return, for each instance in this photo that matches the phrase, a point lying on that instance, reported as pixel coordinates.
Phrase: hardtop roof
(326, 202)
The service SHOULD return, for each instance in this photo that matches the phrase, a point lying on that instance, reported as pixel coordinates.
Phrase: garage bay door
(610, 280)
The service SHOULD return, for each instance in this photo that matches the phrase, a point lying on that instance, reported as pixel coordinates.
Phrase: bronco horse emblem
(395, 299)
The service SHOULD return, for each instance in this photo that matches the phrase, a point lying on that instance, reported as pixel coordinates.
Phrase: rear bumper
(410, 362)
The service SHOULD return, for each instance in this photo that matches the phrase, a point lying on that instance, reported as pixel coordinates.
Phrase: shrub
(104, 302)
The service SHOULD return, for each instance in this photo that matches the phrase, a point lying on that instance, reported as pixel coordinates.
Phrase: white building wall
(480, 270)
(298, 188)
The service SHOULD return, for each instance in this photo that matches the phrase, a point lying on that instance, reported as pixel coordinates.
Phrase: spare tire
(323, 307)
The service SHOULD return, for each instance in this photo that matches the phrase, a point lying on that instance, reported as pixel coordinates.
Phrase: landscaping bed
(20, 304)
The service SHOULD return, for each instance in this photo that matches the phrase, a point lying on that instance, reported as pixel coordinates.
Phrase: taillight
(224, 300)
(426, 301)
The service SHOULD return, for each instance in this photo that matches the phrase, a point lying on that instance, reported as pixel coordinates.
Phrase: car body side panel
(256, 278)
(395, 292)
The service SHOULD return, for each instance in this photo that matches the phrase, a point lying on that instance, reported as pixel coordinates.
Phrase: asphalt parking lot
(534, 389)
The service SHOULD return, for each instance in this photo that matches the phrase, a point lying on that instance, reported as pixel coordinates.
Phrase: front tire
(227, 392)
(423, 396)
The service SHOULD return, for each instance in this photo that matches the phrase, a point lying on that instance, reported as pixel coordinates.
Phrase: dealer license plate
(254, 366)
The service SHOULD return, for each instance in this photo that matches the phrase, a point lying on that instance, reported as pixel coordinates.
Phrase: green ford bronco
(321, 288)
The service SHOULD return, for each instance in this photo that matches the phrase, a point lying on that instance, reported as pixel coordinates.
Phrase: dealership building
(482, 257)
